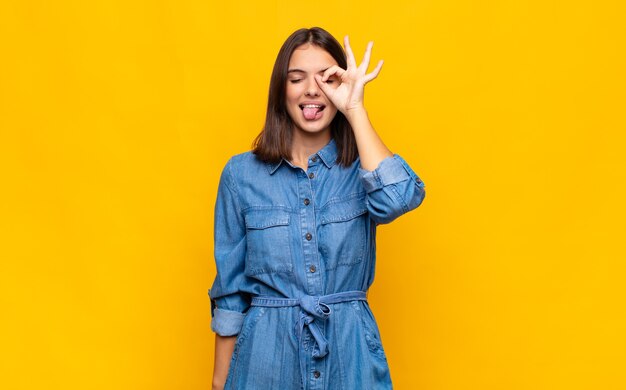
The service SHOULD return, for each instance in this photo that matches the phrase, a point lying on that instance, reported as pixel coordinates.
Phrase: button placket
(308, 224)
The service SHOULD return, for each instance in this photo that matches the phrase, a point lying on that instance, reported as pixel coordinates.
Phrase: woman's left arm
(348, 98)
(392, 186)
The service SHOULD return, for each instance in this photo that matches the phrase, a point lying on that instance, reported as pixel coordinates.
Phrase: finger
(335, 69)
(327, 89)
(366, 57)
(349, 55)
(371, 76)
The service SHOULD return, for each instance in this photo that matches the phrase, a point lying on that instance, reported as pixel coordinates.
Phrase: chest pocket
(343, 232)
(267, 241)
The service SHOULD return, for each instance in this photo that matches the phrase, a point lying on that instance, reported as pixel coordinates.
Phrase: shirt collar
(328, 155)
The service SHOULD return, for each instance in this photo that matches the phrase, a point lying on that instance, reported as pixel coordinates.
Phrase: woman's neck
(305, 144)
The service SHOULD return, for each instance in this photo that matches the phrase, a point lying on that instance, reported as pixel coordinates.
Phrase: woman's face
(307, 105)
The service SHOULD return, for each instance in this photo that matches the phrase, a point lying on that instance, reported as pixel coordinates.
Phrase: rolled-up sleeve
(228, 302)
(393, 189)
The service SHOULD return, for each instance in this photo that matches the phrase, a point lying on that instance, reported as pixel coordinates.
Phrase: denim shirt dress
(295, 253)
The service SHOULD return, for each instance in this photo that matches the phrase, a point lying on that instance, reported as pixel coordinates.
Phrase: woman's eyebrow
(302, 71)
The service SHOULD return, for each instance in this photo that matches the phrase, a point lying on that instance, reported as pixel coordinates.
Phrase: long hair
(274, 141)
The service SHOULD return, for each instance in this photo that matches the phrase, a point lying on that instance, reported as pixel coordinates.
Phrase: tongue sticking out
(310, 112)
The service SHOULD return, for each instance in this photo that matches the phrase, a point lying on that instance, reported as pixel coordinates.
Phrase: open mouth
(312, 111)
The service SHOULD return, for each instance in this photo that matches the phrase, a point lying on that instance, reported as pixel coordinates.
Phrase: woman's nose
(312, 89)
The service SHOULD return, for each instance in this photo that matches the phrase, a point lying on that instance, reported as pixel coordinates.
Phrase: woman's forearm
(371, 148)
(224, 347)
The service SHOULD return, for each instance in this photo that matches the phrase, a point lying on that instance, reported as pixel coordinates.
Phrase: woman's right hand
(224, 347)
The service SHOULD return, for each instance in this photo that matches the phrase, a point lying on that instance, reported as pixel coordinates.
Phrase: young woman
(295, 227)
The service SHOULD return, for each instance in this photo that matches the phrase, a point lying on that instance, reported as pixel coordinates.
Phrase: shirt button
(312, 269)
(307, 201)
(316, 374)
(311, 175)
(314, 159)
(308, 236)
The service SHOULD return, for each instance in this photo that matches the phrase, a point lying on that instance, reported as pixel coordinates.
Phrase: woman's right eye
(294, 81)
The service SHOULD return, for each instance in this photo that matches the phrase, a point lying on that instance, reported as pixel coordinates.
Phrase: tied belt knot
(311, 307)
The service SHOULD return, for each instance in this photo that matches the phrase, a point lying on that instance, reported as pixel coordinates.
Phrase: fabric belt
(311, 307)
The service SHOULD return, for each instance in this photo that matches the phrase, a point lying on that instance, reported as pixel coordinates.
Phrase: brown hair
(274, 141)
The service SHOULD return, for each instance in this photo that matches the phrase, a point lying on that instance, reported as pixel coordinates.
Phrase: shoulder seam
(232, 183)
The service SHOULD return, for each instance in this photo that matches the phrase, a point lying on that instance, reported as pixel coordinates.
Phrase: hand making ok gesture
(348, 95)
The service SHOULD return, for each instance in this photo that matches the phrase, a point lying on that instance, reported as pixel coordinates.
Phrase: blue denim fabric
(283, 232)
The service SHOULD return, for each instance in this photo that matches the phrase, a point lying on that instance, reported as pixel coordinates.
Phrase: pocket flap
(262, 219)
(343, 210)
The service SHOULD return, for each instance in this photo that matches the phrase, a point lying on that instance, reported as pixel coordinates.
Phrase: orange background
(116, 118)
